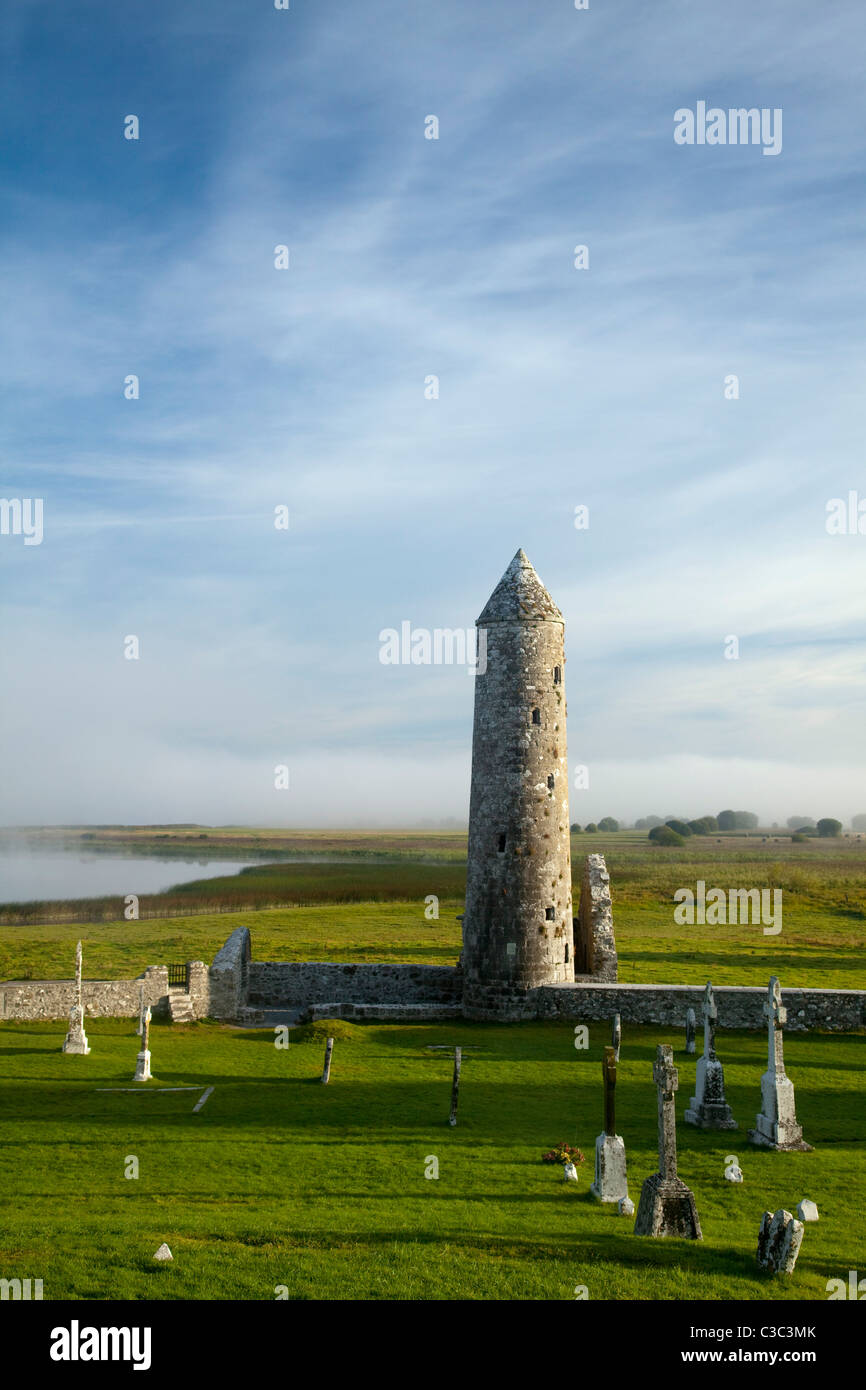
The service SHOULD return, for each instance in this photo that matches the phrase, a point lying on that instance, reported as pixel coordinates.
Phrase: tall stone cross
(78, 962)
(711, 1018)
(608, 1071)
(145, 1041)
(76, 1038)
(776, 1015)
(666, 1077)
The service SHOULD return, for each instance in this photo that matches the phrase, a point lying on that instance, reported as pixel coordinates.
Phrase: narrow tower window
(550, 781)
(536, 716)
(502, 844)
(550, 914)
(557, 675)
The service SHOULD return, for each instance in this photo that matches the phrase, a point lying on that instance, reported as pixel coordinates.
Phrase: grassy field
(364, 896)
(815, 949)
(279, 1181)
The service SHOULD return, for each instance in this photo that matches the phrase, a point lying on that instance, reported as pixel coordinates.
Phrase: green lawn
(280, 1181)
(818, 948)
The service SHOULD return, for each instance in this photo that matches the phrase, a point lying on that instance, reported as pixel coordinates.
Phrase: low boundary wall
(44, 999)
(235, 984)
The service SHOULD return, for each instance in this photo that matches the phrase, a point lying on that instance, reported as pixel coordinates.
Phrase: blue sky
(305, 387)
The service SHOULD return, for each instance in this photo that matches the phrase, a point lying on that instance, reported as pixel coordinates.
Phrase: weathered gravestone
(610, 1183)
(455, 1087)
(776, 1125)
(76, 1038)
(807, 1211)
(326, 1066)
(779, 1241)
(690, 1031)
(142, 1065)
(616, 1036)
(708, 1108)
(667, 1205)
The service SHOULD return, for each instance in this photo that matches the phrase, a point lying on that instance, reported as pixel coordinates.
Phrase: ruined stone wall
(199, 988)
(53, 999)
(594, 944)
(229, 976)
(281, 984)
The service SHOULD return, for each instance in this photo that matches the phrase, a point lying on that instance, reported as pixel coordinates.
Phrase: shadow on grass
(778, 962)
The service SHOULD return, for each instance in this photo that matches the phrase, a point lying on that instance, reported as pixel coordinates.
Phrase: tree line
(673, 830)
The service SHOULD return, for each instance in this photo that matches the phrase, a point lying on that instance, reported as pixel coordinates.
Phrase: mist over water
(28, 874)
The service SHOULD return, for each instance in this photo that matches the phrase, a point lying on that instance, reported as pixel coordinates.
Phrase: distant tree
(575, 829)
(858, 822)
(679, 827)
(664, 835)
(592, 828)
(737, 820)
(704, 825)
(608, 823)
(828, 827)
(647, 822)
(798, 839)
(798, 822)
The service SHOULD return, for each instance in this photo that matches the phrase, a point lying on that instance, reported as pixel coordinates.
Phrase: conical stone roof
(520, 596)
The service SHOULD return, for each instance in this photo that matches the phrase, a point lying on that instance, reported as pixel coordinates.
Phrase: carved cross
(711, 1015)
(776, 1015)
(78, 960)
(146, 1035)
(666, 1077)
(608, 1071)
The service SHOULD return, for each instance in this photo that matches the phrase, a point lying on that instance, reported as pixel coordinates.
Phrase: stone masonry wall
(739, 1006)
(277, 984)
(517, 925)
(199, 988)
(229, 976)
(594, 944)
(51, 999)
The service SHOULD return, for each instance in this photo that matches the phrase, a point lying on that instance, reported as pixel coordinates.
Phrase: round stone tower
(517, 926)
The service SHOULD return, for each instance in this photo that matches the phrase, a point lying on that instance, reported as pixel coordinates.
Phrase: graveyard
(279, 1186)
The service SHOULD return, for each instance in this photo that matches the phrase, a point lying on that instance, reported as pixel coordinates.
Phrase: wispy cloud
(412, 258)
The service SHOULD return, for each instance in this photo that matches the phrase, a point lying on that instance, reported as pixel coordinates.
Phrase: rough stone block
(610, 1184)
(708, 1108)
(779, 1242)
(667, 1208)
(776, 1125)
(142, 1067)
(807, 1211)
